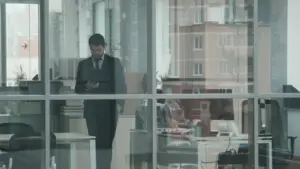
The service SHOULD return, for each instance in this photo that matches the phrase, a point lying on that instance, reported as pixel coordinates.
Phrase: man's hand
(91, 85)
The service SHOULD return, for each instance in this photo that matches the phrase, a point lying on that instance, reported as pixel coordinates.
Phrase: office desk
(141, 151)
(68, 138)
(226, 142)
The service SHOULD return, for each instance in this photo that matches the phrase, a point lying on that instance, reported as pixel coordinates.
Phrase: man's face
(97, 50)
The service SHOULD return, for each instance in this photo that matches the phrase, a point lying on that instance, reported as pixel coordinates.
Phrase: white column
(278, 62)
(70, 29)
(163, 57)
(100, 18)
(85, 26)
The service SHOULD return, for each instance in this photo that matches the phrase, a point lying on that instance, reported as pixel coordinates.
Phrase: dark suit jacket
(101, 115)
(114, 74)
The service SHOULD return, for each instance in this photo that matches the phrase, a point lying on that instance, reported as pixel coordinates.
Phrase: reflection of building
(28, 46)
(209, 50)
(22, 38)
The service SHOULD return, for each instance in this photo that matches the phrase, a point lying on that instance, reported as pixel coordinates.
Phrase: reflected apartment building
(210, 50)
(207, 43)
(211, 53)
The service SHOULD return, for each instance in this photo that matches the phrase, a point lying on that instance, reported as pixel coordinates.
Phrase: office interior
(202, 119)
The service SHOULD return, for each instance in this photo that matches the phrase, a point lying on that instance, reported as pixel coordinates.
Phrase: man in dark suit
(101, 74)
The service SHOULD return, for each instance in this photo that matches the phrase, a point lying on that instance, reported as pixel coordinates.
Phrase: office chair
(15, 128)
(26, 151)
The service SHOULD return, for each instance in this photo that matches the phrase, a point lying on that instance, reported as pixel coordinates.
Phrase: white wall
(100, 18)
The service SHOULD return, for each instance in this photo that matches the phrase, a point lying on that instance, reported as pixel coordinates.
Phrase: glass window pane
(123, 137)
(124, 28)
(22, 126)
(203, 132)
(126, 42)
(278, 41)
(216, 39)
(22, 50)
(278, 118)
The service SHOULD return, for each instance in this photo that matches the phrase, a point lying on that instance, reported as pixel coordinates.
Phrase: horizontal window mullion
(204, 96)
(100, 96)
(22, 97)
(149, 96)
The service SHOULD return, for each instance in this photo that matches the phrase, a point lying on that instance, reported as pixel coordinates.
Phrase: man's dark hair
(97, 39)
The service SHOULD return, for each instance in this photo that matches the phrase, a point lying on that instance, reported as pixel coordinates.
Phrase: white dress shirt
(100, 61)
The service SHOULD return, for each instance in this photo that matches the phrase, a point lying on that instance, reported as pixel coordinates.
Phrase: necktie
(98, 63)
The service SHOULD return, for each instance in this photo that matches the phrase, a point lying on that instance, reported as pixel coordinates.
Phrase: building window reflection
(198, 42)
(198, 69)
(198, 15)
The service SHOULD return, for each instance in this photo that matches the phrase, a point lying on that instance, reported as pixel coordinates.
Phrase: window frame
(199, 68)
(198, 15)
(224, 64)
(199, 39)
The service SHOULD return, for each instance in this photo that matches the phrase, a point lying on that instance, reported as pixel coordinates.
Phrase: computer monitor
(218, 109)
(225, 127)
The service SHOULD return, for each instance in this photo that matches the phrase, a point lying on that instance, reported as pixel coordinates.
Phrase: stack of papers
(174, 130)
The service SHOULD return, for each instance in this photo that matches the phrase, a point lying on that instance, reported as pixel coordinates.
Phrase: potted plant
(20, 75)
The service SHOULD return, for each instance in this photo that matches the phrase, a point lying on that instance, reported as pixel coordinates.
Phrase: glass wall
(22, 107)
(20, 46)
(182, 84)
